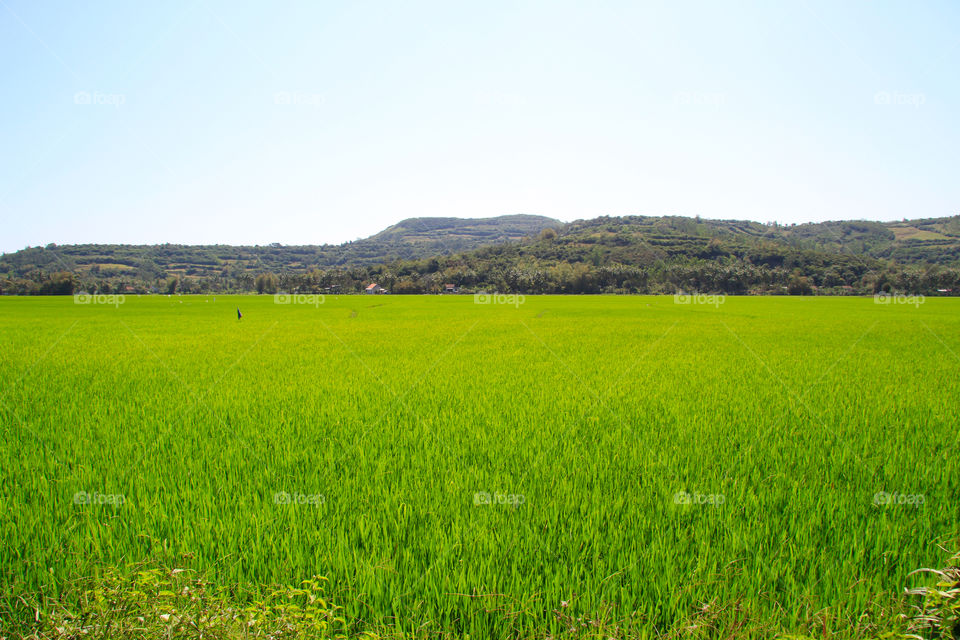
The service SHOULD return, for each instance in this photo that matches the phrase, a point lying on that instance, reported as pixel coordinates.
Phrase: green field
(785, 461)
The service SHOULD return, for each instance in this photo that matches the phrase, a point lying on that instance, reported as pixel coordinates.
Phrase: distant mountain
(426, 237)
(930, 240)
(638, 239)
(410, 239)
(530, 254)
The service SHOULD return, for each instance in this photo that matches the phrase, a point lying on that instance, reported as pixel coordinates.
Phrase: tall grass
(629, 465)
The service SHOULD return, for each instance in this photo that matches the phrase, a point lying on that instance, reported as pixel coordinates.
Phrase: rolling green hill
(409, 239)
(528, 254)
(443, 235)
(928, 241)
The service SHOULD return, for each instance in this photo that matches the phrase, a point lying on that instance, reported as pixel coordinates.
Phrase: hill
(415, 238)
(927, 241)
(529, 254)
(436, 236)
(410, 239)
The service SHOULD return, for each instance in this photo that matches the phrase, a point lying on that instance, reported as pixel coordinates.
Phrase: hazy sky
(311, 122)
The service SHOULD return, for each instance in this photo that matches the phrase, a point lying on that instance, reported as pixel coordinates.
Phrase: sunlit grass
(496, 470)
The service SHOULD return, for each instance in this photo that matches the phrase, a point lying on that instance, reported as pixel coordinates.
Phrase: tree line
(630, 255)
(505, 275)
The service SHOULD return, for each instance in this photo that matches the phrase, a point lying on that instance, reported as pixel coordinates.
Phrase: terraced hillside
(528, 254)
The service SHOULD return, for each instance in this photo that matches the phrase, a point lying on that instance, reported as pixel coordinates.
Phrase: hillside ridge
(525, 253)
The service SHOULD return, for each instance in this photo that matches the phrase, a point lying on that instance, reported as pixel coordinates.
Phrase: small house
(373, 288)
(451, 288)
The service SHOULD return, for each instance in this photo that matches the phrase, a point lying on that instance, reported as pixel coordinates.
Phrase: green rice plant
(552, 466)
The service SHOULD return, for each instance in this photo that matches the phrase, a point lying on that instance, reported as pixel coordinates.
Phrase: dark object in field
(239, 315)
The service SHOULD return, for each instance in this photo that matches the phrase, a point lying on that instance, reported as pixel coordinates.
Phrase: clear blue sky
(310, 122)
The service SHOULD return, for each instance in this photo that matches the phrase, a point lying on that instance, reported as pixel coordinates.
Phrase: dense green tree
(266, 283)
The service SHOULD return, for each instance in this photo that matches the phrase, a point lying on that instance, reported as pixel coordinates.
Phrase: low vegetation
(149, 601)
(522, 254)
(499, 467)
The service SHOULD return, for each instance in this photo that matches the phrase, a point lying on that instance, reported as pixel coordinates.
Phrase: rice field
(518, 467)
